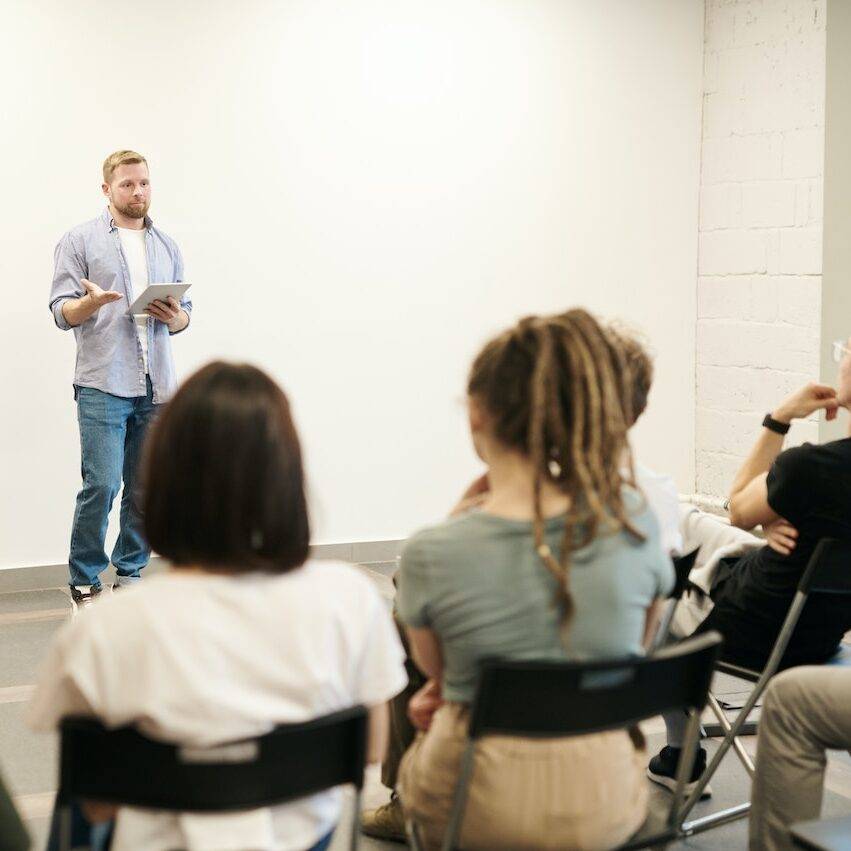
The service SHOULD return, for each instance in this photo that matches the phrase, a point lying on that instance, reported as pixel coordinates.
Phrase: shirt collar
(106, 218)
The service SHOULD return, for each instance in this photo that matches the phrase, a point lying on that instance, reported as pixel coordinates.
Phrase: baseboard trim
(42, 577)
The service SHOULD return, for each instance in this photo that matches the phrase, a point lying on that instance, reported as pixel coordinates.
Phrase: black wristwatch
(775, 425)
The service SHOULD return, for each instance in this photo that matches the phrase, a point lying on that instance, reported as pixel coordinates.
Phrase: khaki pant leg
(588, 793)
(806, 711)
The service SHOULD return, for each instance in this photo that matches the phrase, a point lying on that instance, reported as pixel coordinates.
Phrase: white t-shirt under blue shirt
(133, 244)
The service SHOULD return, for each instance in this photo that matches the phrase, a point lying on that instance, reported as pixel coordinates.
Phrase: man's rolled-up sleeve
(69, 270)
(185, 301)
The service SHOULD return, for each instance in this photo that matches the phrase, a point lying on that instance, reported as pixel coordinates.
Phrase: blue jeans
(112, 430)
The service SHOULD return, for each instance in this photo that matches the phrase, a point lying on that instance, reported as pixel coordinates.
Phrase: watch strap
(775, 425)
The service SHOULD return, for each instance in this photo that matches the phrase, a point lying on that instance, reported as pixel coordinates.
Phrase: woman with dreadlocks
(560, 560)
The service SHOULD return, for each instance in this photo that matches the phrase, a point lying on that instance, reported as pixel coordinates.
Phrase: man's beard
(133, 212)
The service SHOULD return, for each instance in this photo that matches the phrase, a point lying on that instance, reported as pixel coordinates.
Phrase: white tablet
(154, 292)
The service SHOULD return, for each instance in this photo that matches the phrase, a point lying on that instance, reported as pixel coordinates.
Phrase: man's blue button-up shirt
(109, 354)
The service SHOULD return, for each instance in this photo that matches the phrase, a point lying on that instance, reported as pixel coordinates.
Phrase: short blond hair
(120, 158)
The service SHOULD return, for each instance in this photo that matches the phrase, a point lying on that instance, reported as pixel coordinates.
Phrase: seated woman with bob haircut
(561, 560)
(243, 632)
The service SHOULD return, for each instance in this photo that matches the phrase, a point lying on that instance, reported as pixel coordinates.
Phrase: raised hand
(810, 398)
(99, 297)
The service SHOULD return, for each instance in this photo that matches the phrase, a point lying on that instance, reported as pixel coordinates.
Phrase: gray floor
(28, 761)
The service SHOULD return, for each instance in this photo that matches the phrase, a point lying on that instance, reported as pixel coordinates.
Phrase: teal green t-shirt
(478, 582)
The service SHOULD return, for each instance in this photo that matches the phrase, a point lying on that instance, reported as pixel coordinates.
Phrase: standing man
(124, 364)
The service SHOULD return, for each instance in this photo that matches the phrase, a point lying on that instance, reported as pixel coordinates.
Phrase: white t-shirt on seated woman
(201, 659)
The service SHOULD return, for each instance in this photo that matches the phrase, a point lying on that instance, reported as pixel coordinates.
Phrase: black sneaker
(83, 596)
(663, 770)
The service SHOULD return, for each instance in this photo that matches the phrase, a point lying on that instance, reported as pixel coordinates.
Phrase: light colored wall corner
(759, 289)
(836, 292)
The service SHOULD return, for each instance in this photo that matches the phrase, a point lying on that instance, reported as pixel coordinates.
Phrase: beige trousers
(587, 792)
(806, 711)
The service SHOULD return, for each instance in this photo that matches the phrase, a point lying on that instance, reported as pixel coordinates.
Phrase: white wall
(835, 292)
(363, 192)
(761, 200)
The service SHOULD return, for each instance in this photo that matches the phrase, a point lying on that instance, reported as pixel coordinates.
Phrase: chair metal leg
(65, 823)
(698, 825)
(743, 755)
(686, 764)
(734, 730)
(456, 817)
(732, 813)
(716, 731)
(355, 840)
(716, 760)
(768, 672)
(413, 831)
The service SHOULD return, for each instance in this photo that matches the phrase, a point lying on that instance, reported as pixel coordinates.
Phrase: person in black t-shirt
(801, 495)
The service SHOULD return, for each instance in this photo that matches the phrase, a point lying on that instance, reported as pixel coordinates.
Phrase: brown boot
(385, 822)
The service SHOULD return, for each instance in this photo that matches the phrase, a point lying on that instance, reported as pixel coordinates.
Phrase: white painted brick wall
(760, 251)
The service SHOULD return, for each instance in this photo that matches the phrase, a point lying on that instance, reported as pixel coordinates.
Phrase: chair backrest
(548, 699)
(682, 568)
(124, 767)
(829, 568)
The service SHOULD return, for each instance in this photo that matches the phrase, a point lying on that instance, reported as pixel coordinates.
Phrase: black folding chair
(828, 572)
(14, 835)
(124, 767)
(560, 699)
(682, 568)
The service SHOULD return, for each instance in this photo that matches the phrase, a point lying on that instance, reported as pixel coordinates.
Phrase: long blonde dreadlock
(555, 388)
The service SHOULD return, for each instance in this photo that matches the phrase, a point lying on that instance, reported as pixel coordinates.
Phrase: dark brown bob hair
(223, 478)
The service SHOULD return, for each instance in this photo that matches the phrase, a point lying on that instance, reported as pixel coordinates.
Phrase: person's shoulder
(640, 512)
(337, 592)
(834, 450)
(645, 477)
(831, 460)
(81, 232)
(333, 576)
(635, 502)
(663, 498)
(169, 241)
(835, 453)
(452, 530)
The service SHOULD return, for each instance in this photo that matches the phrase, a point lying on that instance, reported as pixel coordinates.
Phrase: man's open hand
(99, 297)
